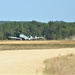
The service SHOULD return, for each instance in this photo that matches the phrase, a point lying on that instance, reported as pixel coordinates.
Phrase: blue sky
(39, 10)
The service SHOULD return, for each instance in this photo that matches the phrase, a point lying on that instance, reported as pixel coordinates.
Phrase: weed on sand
(63, 65)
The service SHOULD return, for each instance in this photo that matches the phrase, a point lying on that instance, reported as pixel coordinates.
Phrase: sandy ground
(37, 42)
(28, 62)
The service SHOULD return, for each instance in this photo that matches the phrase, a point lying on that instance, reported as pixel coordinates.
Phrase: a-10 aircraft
(24, 37)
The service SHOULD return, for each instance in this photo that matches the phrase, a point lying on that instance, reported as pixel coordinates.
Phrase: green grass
(34, 46)
(63, 65)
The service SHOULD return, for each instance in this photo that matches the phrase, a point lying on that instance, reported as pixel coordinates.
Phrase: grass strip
(34, 46)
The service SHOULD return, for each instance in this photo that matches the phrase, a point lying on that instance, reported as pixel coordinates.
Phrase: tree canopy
(53, 30)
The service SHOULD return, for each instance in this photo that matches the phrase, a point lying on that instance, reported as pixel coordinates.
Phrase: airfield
(17, 58)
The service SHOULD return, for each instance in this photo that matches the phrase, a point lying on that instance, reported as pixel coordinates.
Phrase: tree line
(53, 30)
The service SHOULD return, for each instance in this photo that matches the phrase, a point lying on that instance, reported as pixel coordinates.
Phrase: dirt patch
(28, 61)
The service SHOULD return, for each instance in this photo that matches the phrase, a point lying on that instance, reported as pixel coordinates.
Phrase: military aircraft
(24, 37)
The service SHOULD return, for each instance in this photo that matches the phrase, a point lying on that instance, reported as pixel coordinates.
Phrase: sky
(39, 10)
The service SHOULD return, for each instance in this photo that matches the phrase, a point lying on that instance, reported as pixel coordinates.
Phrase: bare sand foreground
(28, 62)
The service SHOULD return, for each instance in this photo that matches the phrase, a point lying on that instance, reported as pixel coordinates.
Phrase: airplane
(30, 37)
(24, 37)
